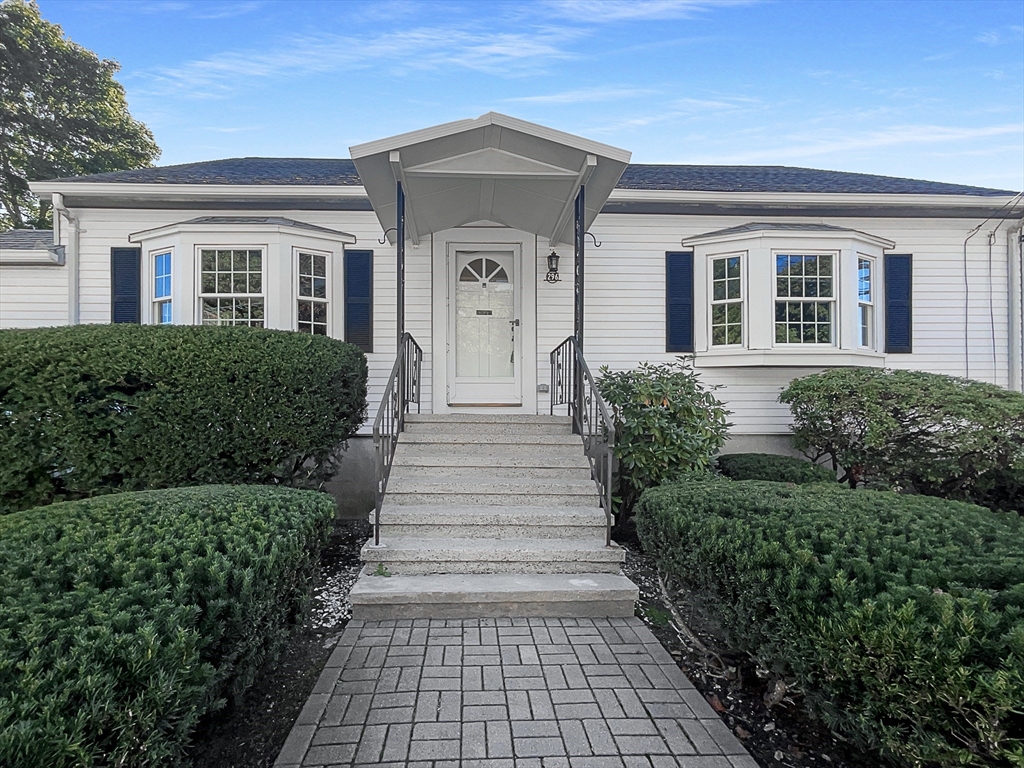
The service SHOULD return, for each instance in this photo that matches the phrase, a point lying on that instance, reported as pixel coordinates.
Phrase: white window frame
(296, 297)
(200, 295)
(870, 304)
(157, 302)
(712, 303)
(835, 299)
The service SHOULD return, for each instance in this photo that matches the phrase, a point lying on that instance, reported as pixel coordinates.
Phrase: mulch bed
(781, 735)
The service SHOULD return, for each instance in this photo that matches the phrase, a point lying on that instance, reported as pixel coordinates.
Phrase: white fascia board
(790, 235)
(491, 118)
(239, 229)
(185, 191)
(38, 257)
(806, 198)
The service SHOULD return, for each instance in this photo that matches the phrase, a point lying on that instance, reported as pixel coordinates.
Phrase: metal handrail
(573, 385)
(403, 389)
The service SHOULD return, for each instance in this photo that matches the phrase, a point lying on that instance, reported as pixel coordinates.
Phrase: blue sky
(931, 90)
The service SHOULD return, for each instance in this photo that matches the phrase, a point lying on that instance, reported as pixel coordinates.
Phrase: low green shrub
(667, 424)
(92, 409)
(125, 618)
(932, 433)
(901, 617)
(769, 466)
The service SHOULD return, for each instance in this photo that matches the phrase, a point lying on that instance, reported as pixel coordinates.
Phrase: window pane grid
(726, 302)
(865, 302)
(312, 300)
(162, 288)
(231, 286)
(804, 306)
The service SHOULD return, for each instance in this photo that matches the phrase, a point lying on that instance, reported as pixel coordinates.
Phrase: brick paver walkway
(507, 693)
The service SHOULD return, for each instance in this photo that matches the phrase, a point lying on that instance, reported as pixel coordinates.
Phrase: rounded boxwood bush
(92, 409)
(768, 466)
(901, 617)
(127, 617)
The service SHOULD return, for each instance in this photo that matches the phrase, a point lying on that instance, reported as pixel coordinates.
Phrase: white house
(762, 273)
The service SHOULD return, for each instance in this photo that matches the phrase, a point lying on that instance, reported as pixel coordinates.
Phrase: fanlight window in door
(485, 335)
(483, 270)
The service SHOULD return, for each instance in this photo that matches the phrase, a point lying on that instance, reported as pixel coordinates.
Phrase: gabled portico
(483, 199)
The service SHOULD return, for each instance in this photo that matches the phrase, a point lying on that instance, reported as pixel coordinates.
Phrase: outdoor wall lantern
(552, 275)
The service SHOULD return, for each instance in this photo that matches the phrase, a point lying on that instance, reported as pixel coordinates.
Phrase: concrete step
(493, 472)
(459, 596)
(486, 428)
(485, 418)
(537, 442)
(497, 522)
(446, 459)
(417, 555)
(479, 489)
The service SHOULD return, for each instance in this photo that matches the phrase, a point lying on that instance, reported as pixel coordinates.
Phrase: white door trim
(444, 245)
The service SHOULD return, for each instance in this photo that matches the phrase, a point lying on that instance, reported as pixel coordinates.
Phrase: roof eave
(190, 227)
(179, 191)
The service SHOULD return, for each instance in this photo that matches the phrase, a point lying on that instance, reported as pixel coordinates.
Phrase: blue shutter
(679, 302)
(359, 299)
(899, 295)
(125, 285)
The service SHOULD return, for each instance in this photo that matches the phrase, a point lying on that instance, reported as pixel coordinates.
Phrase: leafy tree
(61, 114)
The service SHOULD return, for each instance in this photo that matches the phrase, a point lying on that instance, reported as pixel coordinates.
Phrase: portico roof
(492, 168)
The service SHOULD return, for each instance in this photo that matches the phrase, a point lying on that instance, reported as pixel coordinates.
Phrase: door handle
(514, 324)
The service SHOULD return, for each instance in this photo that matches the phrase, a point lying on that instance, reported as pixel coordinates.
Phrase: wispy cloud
(239, 129)
(681, 109)
(585, 95)
(604, 11)
(800, 146)
(998, 37)
(208, 9)
(508, 54)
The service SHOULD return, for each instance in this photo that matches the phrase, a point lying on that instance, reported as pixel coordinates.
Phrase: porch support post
(400, 249)
(578, 240)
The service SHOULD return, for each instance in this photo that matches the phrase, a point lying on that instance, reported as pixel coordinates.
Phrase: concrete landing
(453, 596)
(507, 693)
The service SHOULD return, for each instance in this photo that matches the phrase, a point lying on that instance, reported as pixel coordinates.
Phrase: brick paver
(507, 693)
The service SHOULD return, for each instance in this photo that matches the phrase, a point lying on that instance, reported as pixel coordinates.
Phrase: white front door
(485, 347)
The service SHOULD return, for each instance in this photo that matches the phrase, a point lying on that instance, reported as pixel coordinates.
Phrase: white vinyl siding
(625, 314)
(33, 297)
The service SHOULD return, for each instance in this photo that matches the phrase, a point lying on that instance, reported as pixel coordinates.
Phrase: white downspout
(1014, 256)
(71, 254)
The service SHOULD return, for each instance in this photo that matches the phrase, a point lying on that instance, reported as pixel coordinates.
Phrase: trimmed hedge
(92, 409)
(934, 433)
(901, 617)
(768, 466)
(127, 617)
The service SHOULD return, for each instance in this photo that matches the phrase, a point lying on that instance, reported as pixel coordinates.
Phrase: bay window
(781, 294)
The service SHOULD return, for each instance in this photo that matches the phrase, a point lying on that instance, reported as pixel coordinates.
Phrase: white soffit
(494, 168)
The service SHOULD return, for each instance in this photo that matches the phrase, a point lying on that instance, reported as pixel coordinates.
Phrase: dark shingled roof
(779, 178)
(694, 178)
(26, 239)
